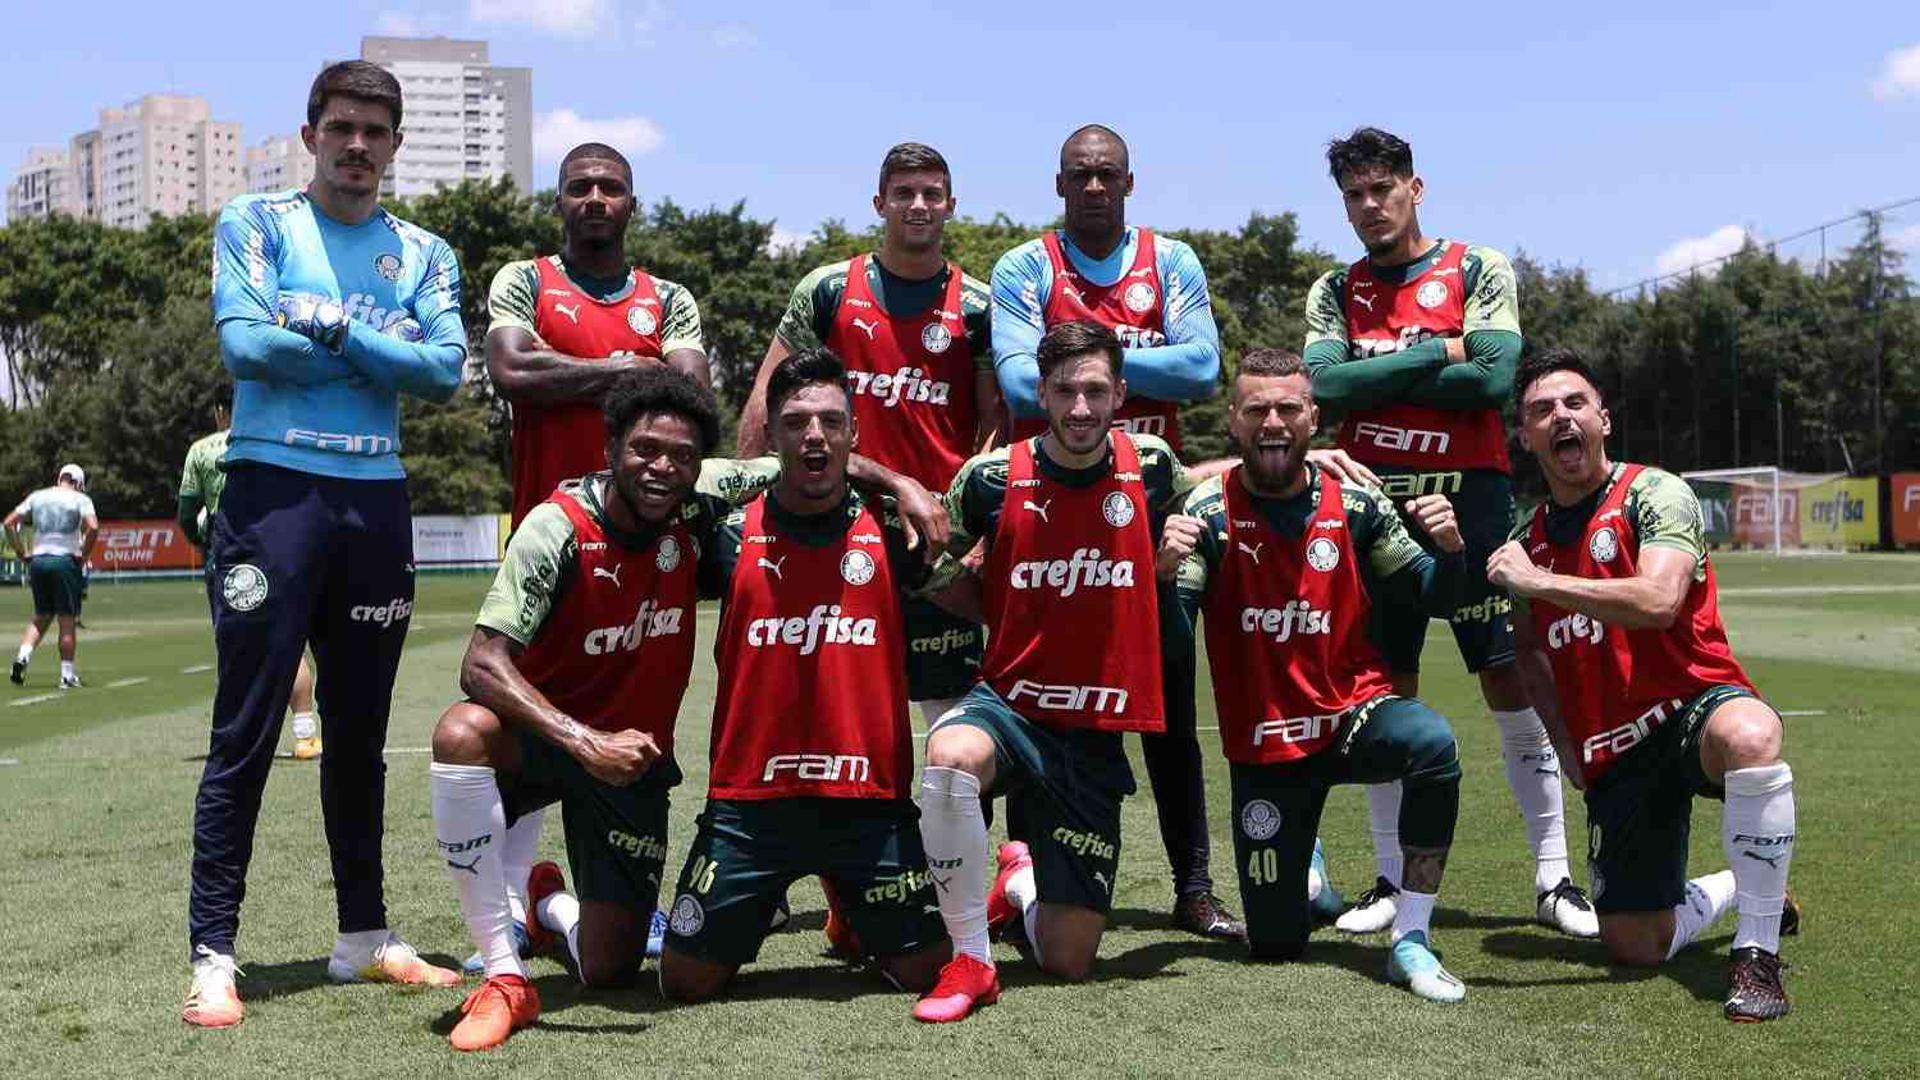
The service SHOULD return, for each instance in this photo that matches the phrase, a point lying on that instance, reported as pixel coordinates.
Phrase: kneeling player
(1282, 558)
(1629, 661)
(811, 751)
(579, 658)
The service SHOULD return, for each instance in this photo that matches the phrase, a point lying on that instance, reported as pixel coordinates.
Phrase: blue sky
(1628, 138)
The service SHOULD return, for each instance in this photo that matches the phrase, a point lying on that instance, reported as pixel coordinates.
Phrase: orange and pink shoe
(496, 1009)
(543, 880)
(213, 1001)
(1014, 857)
(965, 985)
(391, 961)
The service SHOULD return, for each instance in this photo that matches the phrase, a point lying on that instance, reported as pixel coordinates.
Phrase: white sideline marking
(409, 750)
(1819, 590)
(118, 683)
(34, 700)
(1803, 712)
(9, 761)
(196, 669)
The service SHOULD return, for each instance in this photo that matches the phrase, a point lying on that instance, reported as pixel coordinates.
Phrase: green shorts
(1639, 814)
(1276, 809)
(616, 836)
(1483, 623)
(1065, 787)
(943, 651)
(57, 584)
(747, 852)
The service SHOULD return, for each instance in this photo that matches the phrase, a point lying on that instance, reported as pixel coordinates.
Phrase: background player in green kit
(201, 482)
(1416, 345)
(891, 323)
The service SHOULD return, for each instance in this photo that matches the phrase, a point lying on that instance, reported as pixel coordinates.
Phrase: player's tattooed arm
(1536, 676)
(490, 677)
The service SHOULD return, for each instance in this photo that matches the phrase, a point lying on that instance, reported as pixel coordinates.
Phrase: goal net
(1770, 509)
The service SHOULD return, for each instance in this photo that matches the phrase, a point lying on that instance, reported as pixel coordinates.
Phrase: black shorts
(1639, 815)
(1483, 623)
(943, 651)
(57, 585)
(616, 836)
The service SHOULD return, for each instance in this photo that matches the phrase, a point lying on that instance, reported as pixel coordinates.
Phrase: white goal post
(1757, 507)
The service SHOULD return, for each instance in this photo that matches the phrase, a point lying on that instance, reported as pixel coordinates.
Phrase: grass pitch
(96, 795)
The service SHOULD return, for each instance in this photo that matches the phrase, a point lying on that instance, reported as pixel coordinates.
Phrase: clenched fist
(1434, 514)
(1181, 535)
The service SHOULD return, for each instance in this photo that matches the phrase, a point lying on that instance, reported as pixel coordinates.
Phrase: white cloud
(734, 36)
(1899, 74)
(784, 240)
(563, 18)
(1695, 250)
(556, 132)
(400, 24)
(1906, 239)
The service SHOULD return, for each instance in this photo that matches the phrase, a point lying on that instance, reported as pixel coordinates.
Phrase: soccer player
(566, 326)
(563, 329)
(1416, 345)
(1285, 559)
(201, 482)
(1151, 292)
(579, 657)
(328, 309)
(1627, 658)
(64, 528)
(912, 329)
(812, 753)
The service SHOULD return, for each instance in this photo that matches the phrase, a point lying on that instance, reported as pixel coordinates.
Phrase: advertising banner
(1903, 502)
(143, 545)
(1840, 513)
(442, 539)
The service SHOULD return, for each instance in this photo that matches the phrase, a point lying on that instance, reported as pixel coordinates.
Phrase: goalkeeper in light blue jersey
(328, 308)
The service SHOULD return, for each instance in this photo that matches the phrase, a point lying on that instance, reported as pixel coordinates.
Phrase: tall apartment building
(42, 186)
(278, 163)
(163, 154)
(464, 118)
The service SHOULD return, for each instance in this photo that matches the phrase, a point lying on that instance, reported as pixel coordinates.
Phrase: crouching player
(812, 753)
(1628, 660)
(1283, 559)
(579, 658)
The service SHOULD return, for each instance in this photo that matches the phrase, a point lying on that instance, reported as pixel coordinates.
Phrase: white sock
(1533, 773)
(1383, 820)
(560, 913)
(304, 725)
(1024, 892)
(25, 654)
(359, 943)
(1413, 911)
(958, 857)
(517, 859)
(66, 670)
(1707, 898)
(1757, 834)
(469, 823)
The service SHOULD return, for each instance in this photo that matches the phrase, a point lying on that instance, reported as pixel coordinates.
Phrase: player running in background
(1416, 345)
(912, 329)
(64, 529)
(812, 752)
(563, 328)
(328, 309)
(1151, 292)
(578, 661)
(1284, 559)
(1626, 656)
(201, 482)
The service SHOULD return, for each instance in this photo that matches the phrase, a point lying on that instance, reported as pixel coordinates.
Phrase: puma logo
(773, 566)
(613, 574)
(468, 867)
(1101, 877)
(1038, 508)
(869, 327)
(1365, 301)
(570, 312)
(1773, 861)
(1252, 552)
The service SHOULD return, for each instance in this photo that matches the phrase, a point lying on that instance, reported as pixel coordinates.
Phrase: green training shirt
(514, 300)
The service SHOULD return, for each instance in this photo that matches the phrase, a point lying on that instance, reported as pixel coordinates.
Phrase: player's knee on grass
(466, 735)
(612, 937)
(1742, 733)
(917, 971)
(1639, 939)
(1068, 939)
(687, 979)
